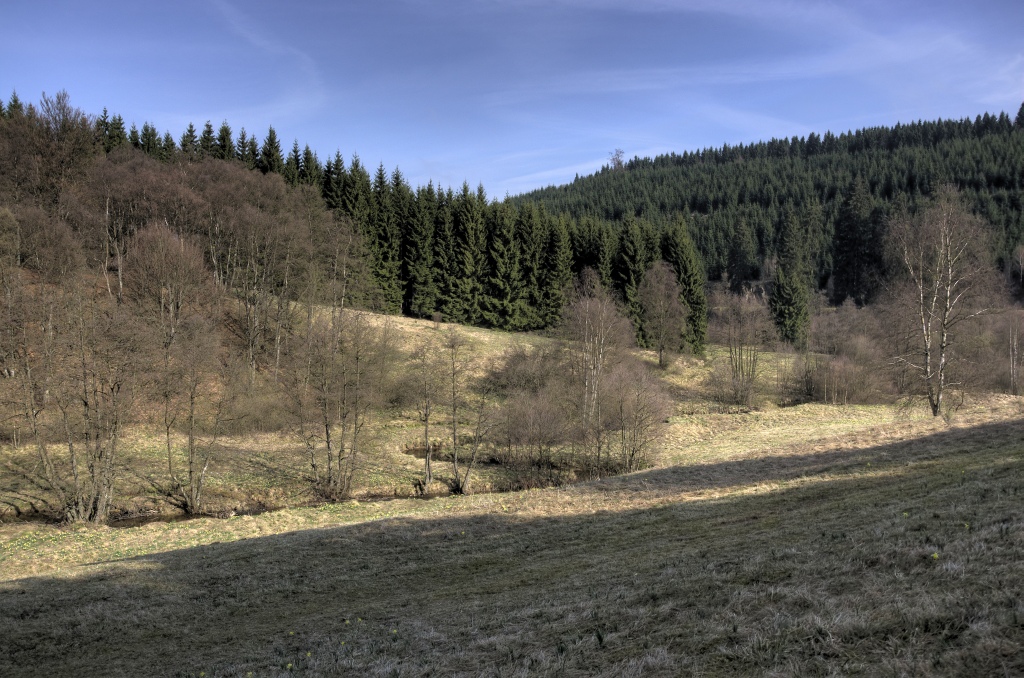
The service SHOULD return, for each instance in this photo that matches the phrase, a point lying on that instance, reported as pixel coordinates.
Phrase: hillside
(764, 543)
(223, 451)
(740, 193)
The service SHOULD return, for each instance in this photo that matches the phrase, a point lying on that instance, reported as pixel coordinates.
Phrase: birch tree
(945, 280)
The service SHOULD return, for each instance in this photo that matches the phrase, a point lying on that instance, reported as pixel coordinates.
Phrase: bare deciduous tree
(1016, 322)
(664, 314)
(339, 376)
(641, 408)
(458, 363)
(93, 381)
(947, 279)
(169, 287)
(429, 372)
(741, 322)
(596, 332)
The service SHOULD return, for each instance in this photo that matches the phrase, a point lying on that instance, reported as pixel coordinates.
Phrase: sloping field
(800, 541)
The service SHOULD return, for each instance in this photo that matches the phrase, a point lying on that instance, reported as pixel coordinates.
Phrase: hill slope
(886, 548)
(737, 192)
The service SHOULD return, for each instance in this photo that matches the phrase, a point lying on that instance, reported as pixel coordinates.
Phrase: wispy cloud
(307, 91)
(547, 177)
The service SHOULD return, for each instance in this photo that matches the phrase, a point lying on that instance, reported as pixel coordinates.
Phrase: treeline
(736, 198)
(453, 254)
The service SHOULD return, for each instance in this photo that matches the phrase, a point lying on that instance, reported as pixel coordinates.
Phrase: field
(806, 540)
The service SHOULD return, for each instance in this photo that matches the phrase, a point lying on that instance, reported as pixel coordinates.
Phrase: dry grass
(892, 550)
(257, 472)
(809, 540)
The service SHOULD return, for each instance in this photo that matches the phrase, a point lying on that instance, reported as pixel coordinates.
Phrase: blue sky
(518, 94)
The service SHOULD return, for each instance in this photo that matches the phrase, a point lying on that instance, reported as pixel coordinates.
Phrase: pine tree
(292, 165)
(384, 241)
(633, 260)
(118, 136)
(271, 159)
(470, 255)
(678, 250)
(189, 143)
(207, 142)
(790, 297)
(742, 264)
(418, 256)
(557, 272)
(532, 227)
(167, 147)
(503, 304)
(446, 259)
(357, 194)
(245, 153)
(225, 149)
(1018, 122)
(149, 140)
(15, 108)
(857, 248)
(102, 128)
(133, 137)
(334, 182)
(311, 173)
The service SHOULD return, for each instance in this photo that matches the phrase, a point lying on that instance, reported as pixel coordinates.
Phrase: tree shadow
(449, 583)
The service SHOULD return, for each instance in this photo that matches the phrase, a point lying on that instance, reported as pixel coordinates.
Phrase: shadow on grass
(876, 572)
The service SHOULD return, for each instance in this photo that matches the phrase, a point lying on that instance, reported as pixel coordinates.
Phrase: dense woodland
(211, 283)
(845, 188)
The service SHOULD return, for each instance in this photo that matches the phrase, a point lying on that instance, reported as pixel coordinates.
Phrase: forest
(213, 284)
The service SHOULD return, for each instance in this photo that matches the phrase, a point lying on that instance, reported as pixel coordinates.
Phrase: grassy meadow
(805, 540)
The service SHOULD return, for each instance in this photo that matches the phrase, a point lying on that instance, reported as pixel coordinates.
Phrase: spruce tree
(225, 149)
(133, 137)
(594, 246)
(102, 128)
(503, 304)
(251, 157)
(633, 260)
(118, 136)
(189, 143)
(678, 250)
(742, 265)
(1018, 122)
(15, 108)
(532, 227)
(385, 242)
(271, 159)
(357, 194)
(418, 256)
(245, 153)
(167, 147)
(446, 259)
(311, 173)
(790, 297)
(208, 142)
(471, 243)
(403, 206)
(856, 247)
(149, 140)
(557, 272)
(334, 182)
(292, 165)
